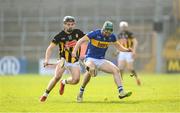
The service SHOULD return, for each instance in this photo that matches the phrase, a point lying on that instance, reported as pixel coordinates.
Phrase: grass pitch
(158, 93)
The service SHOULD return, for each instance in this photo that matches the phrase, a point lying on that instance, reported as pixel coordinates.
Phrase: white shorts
(125, 56)
(69, 65)
(76, 64)
(97, 62)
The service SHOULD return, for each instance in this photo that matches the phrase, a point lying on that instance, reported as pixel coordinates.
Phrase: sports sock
(133, 72)
(46, 93)
(120, 89)
(81, 89)
(64, 81)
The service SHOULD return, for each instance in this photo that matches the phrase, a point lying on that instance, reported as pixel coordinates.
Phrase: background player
(66, 41)
(99, 40)
(126, 38)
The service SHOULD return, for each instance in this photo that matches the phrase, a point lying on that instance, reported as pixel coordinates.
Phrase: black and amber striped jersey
(66, 44)
(126, 39)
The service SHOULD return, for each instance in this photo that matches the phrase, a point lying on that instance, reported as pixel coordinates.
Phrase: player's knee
(92, 72)
(116, 71)
(75, 80)
(90, 65)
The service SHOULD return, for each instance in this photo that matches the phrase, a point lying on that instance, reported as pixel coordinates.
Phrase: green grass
(158, 93)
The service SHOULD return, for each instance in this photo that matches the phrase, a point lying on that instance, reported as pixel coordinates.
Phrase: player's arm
(135, 43)
(85, 38)
(48, 53)
(120, 47)
(119, 41)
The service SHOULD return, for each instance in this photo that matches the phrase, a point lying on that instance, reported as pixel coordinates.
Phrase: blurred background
(28, 26)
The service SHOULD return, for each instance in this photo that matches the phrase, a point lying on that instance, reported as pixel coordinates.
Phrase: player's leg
(86, 78)
(130, 67)
(121, 63)
(121, 66)
(75, 72)
(57, 75)
(74, 79)
(109, 67)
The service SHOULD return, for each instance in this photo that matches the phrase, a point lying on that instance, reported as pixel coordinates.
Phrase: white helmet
(123, 24)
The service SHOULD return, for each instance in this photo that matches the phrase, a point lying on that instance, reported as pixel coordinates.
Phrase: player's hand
(130, 50)
(73, 54)
(45, 63)
(82, 57)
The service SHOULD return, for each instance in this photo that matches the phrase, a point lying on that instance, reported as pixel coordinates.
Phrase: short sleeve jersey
(66, 44)
(98, 44)
(126, 39)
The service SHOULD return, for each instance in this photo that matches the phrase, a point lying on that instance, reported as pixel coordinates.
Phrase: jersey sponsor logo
(70, 44)
(99, 44)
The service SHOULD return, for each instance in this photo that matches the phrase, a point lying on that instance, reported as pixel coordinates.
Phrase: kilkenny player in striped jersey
(66, 40)
(126, 38)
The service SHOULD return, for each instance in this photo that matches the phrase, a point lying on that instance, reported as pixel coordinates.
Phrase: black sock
(47, 91)
(133, 72)
(66, 81)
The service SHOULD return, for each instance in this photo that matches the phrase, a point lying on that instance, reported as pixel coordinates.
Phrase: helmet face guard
(107, 30)
(108, 27)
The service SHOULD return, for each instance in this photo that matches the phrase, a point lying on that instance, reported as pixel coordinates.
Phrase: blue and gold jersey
(98, 44)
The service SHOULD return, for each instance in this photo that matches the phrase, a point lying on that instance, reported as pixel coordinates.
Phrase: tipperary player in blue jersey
(99, 40)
